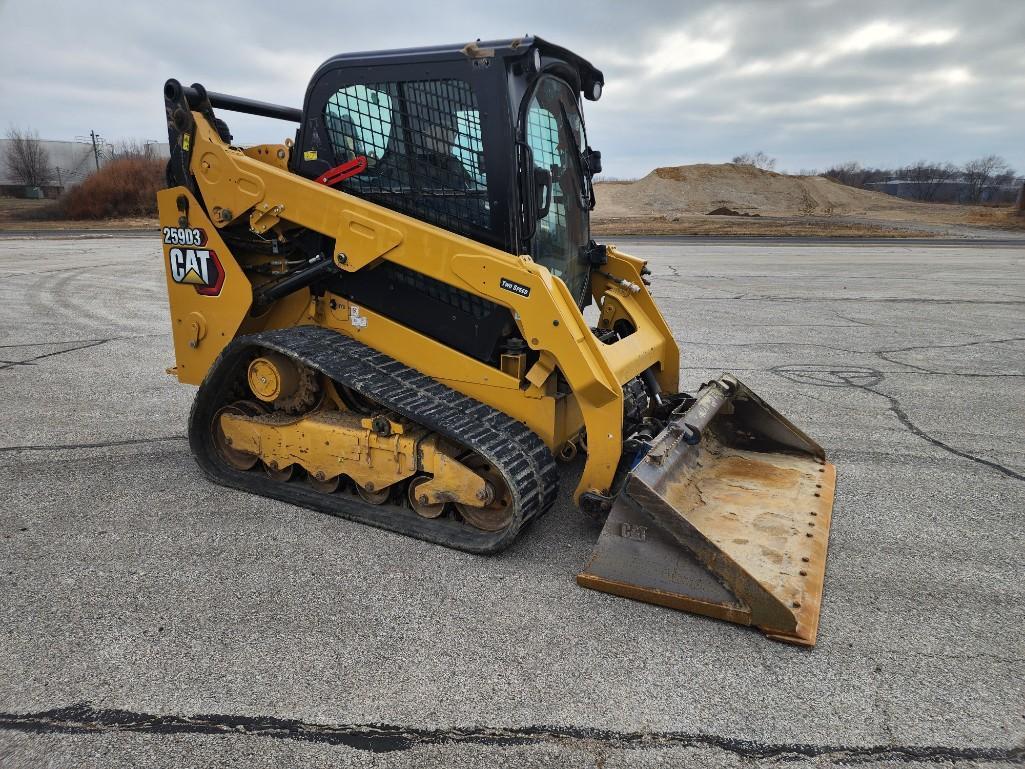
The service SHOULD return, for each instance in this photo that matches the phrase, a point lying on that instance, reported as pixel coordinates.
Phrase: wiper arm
(578, 160)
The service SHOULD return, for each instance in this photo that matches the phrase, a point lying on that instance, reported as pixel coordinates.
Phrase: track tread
(518, 453)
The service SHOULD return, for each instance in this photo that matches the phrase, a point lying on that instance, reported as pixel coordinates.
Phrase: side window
(424, 144)
(359, 122)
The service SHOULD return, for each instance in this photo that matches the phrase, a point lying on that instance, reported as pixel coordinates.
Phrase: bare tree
(927, 179)
(850, 173)
(1005, 179)
(26, 158)
(757, 159)
(979, 173)
(129, 148)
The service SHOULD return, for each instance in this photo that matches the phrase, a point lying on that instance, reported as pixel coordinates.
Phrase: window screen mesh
(424, 148)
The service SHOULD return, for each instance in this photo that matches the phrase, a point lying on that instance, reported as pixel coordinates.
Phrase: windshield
(555, 135)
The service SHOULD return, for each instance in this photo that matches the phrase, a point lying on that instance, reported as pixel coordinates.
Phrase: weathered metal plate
(735, 528)
(769, 514)
(635, 559)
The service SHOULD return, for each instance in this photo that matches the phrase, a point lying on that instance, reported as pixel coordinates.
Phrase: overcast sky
(810, 83)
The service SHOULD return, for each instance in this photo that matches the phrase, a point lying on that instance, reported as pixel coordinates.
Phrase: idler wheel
(498, 513)
(372, 495)
(240, 460)
(420, 505)
(279, 474)
(323, 484)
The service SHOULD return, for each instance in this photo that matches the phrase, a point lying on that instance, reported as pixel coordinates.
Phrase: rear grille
(443, 292)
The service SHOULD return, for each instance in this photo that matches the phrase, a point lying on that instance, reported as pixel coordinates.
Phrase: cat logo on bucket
(198, 267)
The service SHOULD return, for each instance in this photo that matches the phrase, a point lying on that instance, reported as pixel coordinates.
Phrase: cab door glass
(359, 121)
(554, 132)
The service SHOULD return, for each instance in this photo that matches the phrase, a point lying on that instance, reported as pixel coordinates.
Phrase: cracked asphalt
(148, 618)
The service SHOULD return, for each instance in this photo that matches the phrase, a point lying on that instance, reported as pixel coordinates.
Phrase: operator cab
(486, 140)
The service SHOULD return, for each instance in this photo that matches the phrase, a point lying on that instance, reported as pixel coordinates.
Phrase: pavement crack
(898, 411)
(857, 322)
(83, 718)
(98, 445)
(78, 341)
(974, 343)
(30, 361)
(885, 355)
(863, 299)
(76, 268)
(868, 379)
(694, 343)
(916, 369)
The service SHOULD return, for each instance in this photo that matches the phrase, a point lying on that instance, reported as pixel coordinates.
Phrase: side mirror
(592, 161)
(543, 191)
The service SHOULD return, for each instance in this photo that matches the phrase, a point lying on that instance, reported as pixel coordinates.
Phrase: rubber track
(517, 452)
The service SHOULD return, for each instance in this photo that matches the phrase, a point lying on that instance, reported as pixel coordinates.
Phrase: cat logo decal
(198, 267)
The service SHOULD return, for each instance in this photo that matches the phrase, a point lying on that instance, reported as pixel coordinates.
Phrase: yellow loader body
(714, 502)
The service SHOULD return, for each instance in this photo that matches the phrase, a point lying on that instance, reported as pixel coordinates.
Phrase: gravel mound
(702, 188)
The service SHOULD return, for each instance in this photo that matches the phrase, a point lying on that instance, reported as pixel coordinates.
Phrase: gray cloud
(811, 83)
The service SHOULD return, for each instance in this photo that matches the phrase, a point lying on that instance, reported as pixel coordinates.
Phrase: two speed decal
(516, 288)
(196, 267)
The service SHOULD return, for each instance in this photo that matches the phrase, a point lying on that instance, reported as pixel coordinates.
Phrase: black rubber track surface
(513, 449)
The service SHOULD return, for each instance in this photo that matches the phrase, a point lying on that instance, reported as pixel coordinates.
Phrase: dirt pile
(698, 189)
(724, 211)
(730, 199)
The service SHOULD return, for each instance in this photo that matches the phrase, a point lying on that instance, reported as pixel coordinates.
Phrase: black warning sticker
(516, 288)
(197, 267)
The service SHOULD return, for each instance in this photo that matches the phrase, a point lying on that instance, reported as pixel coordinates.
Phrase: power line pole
(96, 151)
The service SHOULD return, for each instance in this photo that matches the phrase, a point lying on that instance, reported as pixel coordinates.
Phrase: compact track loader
(385, 318)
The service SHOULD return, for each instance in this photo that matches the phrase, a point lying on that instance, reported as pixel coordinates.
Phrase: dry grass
(732, 226)
(126, 187)
(17, 215)
(25, 210)
(1004, 217)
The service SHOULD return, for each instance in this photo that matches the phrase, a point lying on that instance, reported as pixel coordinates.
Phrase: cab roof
(478, 49)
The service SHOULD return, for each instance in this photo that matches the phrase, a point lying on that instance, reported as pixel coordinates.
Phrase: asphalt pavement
(149, 618)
